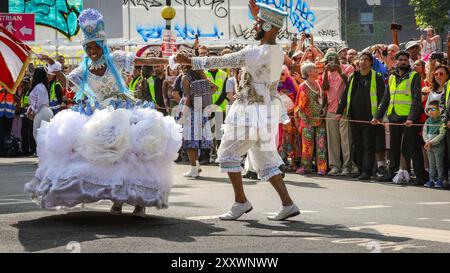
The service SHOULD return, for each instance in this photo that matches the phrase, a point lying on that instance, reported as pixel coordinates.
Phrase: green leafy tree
(431, 13)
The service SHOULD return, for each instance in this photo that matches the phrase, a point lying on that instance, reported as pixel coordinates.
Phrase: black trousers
(28, 142)
(5, 132)
(364, 143)
(408, 136)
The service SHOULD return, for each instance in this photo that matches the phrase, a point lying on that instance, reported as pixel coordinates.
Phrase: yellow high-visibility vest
(401, 98)
(219, 81)
(151, 88)
(373, 94)
(133, 84)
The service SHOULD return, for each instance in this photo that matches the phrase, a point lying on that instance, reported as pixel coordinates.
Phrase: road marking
(15, 195)
(301, 211)
(445, 220)
(207, 217)
(434, 203)
(418, 233)
(422, 218)
(16, 203)
(370, 207)
(371, 223)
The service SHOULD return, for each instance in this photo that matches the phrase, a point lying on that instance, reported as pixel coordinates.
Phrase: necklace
(318, 92)
(99, 64)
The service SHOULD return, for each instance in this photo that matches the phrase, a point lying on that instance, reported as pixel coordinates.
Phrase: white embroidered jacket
(264, 64)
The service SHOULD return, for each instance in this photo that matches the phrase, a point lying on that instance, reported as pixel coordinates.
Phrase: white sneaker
(236, 211)
(193, 172)
(345, 172)
(199, 167)
(334, 171)
(284, 213)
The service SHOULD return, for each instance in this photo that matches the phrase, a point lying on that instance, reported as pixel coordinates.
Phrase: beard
(260, 35)
(403, 67)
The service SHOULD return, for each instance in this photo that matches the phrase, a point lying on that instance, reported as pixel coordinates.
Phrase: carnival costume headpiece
(93, 26)
(271, 16)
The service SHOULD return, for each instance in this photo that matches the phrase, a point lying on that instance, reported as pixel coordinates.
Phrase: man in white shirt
(252, 120)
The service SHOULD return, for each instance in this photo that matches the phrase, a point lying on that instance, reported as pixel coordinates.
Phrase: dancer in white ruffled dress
(110, 146)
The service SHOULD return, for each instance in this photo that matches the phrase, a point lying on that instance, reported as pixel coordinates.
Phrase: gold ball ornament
(168, 13)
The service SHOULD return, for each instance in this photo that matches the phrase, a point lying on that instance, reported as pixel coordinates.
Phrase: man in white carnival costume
(252, 121)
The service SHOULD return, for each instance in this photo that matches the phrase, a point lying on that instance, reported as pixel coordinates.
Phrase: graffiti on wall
(184, 32)
(300, 15)
(219, 7)
(61, 15)
(147, 4)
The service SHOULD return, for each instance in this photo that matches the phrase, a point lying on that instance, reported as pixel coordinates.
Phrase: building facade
(367, 22)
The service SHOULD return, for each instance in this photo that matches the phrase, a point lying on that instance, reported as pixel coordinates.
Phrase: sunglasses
(439, 73)
(433, 109)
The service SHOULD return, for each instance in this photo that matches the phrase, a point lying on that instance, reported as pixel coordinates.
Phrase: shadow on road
(319, 230)
(58, 230)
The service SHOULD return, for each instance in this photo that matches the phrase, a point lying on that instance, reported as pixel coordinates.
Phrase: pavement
(338, 215)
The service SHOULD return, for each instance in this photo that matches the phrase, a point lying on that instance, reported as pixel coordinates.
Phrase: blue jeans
(436, 161)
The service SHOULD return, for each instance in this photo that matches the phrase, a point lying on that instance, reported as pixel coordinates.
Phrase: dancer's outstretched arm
(151, 61)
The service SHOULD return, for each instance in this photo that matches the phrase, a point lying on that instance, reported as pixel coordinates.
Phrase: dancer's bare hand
(254, 9)
(182, 59)
(338, 117)
(408, 123)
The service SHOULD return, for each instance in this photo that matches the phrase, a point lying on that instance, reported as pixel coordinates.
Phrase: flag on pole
(14, 58)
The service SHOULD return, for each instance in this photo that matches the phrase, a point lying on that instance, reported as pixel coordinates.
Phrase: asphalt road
(338, 215)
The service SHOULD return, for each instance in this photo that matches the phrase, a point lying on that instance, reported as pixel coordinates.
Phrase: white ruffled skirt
(125, 156)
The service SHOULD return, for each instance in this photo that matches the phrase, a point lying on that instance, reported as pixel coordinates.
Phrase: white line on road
(371, 223)
(198, 218)
(369, 207)
(434, 203)
(418, 233)
(16, 203)
(445, 220)
(423, 218)
(301, 211)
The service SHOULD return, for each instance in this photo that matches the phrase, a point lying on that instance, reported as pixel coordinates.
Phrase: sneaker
(139, 212)
(236, 211)
(334, 171)
(439, 184)
(322, 173)
(301, 170)
(250, 175)
(116, 209)
(193, 172)
(284, 213)
(429, 184)
(382, 170)
(364, 176)
(346, 172)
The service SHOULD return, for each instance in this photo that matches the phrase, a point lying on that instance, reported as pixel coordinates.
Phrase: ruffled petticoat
(125, 156)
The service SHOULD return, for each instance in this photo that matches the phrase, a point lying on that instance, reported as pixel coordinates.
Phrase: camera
(308, 35)
(395, 26)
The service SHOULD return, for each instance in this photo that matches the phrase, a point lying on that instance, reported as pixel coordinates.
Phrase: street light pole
(168, 22)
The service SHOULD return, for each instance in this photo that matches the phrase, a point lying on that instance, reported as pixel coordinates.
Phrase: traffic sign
(22, 25)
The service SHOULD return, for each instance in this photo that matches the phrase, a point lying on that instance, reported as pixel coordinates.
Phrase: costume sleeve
(246, 57)
(76, 77)
(124, 61)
